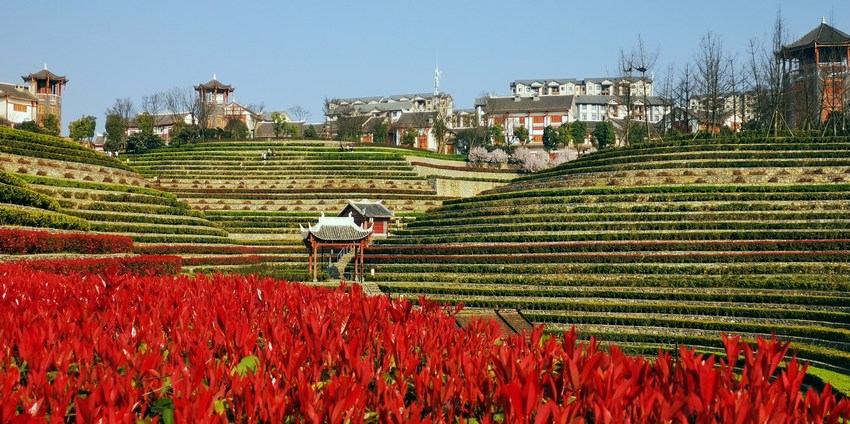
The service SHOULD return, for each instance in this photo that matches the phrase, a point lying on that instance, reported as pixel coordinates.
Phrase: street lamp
(642, 71)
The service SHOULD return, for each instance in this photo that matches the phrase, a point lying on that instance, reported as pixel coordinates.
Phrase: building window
(20, 108)
(555, 120)
(538, 119)
(41, 109)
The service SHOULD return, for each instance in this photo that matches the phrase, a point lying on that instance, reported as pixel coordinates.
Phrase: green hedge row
(57, 182)
(148, 219)
(643, 217)
(180, 209)
(816, 282)
(731, 295)
(24, 196)
(526, 237)
(114, 197)
(110, 227)
(39, 218)
(60, 154)
(615, 258)
(179, 238)
(840, 335)
(647, 268)
(753, 225)
(597, 247)
(589, 306)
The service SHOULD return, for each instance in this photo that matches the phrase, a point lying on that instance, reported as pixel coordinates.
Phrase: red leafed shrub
(142, 265)
(243, 349)
(30, 242)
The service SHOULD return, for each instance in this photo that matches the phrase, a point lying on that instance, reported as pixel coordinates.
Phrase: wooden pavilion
(370, 215)
(336, 232)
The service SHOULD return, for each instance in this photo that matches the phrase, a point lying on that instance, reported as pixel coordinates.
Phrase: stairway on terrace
(265, 199)
(628, 246)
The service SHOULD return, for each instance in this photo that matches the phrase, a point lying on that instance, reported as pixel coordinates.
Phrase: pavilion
(336, 232)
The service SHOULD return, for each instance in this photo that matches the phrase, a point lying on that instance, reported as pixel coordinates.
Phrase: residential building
(534, 113)
(602, 86)
(17, 104)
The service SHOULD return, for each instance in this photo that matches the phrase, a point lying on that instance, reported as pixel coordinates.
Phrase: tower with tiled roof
(47, 87)
(818, 70)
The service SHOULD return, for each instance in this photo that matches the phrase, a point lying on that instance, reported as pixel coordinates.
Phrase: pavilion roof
(823, 34)
(336, 228)
(214, 84)
(44, 74)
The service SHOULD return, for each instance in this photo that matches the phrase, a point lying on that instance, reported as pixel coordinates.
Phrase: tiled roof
(415, 119)
(822, 34)
(369, 209)
(44, 74)
(335, 228)
(214, 84)
(14, 92)
(529, 104)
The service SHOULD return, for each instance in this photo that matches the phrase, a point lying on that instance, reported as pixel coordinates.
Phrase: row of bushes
(725, 155)
(35, 242)
(635, 225)
(180, 238)
(60, 153)
(434, 257)
(840, 335)
(188, 249)
(10, 215)
(608, 236)
(248, 193)
(816, 282)
(743, 214)
(607, 306)
(15, 191)
(728, 295)
(179, 209)
(630, 268)
(141, 265)
(88, 185)
(696, 189)
(441, 215)
(147, 219)
(114, 227)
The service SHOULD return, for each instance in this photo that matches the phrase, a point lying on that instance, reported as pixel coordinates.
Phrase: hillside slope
(655, 245)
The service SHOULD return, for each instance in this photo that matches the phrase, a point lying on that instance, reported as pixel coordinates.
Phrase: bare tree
(638, 60)
(713, 79)
(667, 93)
(123, 108)
(684, 94)
(298, 113)
(153, 104)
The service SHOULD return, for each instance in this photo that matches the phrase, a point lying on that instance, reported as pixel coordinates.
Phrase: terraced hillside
(265, 199)
(652, 246)
(47, 182)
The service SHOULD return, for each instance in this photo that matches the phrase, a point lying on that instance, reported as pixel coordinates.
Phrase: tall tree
(639, 61)
(145, 123)
(713, 79)
(440, 130)
(380, 131)
(578, 131)
(278, 123)
(551, 140)
(604, 134)
(116, 131)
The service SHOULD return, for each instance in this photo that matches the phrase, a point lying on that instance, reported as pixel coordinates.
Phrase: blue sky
(297, 53)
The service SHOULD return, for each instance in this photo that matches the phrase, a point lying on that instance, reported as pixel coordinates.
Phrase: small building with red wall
(368, 214)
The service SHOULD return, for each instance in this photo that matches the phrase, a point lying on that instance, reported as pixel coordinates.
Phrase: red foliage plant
(141, 265)
(31, 242)
(244, 349)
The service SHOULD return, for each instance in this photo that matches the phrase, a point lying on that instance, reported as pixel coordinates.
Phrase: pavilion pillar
(315, 261)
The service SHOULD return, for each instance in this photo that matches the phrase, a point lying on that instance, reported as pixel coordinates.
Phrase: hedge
(142, 265)
(36, 242)
(24, 196)
(40, 218)
(57, 182)
(111, 227)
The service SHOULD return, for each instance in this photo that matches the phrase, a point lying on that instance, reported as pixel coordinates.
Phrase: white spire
(823, 19)
(437, 75)
(213, 77)
(45, 66)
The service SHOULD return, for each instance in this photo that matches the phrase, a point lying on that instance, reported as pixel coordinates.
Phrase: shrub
(31, 242)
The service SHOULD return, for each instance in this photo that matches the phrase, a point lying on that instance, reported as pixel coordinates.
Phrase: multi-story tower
(817, 67)
(47, 88)
(214, 96)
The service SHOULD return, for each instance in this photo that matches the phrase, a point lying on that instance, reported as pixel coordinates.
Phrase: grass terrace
(632, 247)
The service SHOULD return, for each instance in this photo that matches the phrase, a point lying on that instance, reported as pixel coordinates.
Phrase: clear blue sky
(297, 53)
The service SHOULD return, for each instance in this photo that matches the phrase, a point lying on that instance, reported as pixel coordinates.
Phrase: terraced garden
(652, 246)
(265, 199)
